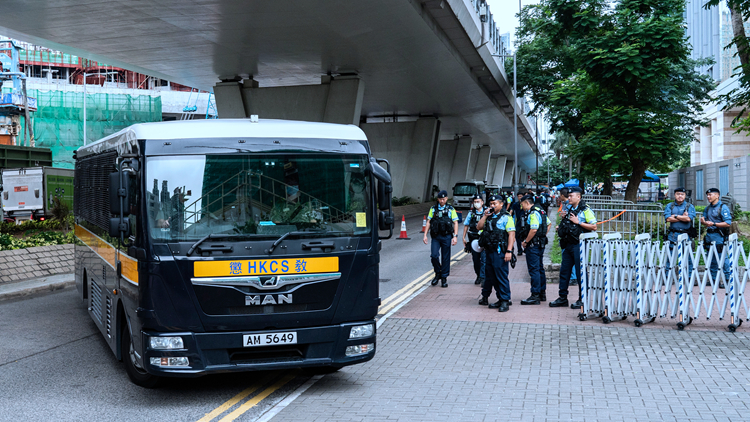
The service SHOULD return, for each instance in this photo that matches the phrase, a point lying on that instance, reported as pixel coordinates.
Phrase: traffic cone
(402, 236)
(424, 224)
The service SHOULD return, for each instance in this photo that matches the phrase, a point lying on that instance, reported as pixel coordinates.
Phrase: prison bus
(231, 245)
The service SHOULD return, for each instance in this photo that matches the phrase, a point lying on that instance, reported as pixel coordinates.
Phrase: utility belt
(473, 236)
(539, 241)
(673, 230)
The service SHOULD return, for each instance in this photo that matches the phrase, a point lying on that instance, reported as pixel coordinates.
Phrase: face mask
(478, 205)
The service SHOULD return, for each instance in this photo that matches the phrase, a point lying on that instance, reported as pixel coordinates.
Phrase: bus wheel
(135, 371)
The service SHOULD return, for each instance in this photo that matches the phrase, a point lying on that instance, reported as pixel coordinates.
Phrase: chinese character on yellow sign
(266, 266)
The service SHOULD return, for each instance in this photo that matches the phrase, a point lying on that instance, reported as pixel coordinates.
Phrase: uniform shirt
(534, 220)
(584, 216)
(718, 213)
(675, 209)
(479, 214)
(454, 215)
(505, 223)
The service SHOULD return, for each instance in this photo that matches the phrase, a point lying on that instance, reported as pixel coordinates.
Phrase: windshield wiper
(221, 236)
(322, 232)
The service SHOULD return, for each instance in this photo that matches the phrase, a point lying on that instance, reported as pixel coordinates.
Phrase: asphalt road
(55, 365)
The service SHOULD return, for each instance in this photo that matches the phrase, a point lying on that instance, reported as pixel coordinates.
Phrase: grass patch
(555, 254)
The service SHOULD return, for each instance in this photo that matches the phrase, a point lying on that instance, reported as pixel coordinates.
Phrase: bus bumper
(209, 353)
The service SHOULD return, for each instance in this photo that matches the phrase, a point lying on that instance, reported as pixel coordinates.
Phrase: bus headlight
(359, 349)
(166, 343)
(361, 331)
(178, 361)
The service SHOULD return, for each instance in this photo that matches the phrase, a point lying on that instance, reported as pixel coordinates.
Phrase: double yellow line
(257, 398)
(402, 294)
(254, 390)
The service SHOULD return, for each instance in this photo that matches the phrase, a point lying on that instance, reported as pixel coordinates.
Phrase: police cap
(494, 198)
(528, 198)
(575, 189)
(442, 194)
(476, 196)
(713, 190)
(679, 190)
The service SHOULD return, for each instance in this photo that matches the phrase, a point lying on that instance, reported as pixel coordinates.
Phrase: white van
(464, 190)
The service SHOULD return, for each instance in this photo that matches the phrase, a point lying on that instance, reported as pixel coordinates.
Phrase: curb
(36, 286)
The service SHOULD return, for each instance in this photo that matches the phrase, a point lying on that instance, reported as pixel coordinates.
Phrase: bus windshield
(191, 196)
(465, 189)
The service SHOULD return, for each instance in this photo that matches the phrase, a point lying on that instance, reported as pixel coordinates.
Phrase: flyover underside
(419, 61)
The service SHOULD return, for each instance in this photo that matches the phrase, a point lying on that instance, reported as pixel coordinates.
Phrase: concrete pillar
(497, 179)
(491, 166)
(706, 139)
(335, 100)
(411, 148)
(482, 163)
(522, 180)
(441, 173)
(717, 141)
(460, 161)
(508, 176)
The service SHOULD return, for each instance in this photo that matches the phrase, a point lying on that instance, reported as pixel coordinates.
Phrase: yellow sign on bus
(265, 267)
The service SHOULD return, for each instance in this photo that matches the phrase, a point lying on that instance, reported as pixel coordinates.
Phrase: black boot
(504, 306)
(478, 280)
(444, 282)
(532, 300)
(483, 301)
(435, 280)
(559, 302)
(577, 305)
(495, 305)
(543, 296)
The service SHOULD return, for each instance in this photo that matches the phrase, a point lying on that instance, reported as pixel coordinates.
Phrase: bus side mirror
(385, 220)
(118, 196)
(118, 227)
(385, 193)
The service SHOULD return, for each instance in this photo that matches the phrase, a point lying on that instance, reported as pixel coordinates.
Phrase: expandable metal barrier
(646, 280)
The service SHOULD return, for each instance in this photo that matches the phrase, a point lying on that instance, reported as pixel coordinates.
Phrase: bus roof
(223, 128)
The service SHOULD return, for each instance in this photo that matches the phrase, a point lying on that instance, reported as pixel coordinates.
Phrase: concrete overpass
(422, 78)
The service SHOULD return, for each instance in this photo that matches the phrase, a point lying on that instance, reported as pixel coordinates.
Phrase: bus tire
(135, 372)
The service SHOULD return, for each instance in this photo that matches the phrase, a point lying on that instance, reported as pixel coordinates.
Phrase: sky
(504, 12)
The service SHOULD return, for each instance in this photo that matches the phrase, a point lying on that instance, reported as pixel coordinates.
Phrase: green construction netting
(58, 121)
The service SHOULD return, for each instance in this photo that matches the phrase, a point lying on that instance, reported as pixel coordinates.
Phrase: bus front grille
(267, 309)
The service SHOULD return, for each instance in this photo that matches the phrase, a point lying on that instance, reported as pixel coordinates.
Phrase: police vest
(540, 238)
(492, 237)
(714, 214)
(568, 232)
(473, 220)
(441, 223)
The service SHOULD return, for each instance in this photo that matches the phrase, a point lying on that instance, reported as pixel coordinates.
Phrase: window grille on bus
(92, 188)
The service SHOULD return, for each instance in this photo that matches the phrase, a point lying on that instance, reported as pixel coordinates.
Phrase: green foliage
(44, 238)
(404, 200)
(35, 225)
(60, 210)
(618, 79)
(556, 170)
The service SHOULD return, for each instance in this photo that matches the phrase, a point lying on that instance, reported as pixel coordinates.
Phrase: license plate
(269, 339)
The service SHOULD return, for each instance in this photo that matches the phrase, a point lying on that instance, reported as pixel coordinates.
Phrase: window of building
(724, 180)
(699, 185)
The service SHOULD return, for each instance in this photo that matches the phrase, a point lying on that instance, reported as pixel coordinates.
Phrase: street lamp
(84, 99)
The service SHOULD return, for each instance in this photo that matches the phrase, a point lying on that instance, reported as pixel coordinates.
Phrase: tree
(738, 97)
(618, 79)
(554, 168)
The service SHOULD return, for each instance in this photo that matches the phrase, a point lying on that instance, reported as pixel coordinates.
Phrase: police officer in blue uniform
(470, 228)
(534, 239)
(442, 225)
(717, 218)
(498, 234)
(579, 218)
(680, 215)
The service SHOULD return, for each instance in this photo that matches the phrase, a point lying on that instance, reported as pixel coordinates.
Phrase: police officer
(470, 228)
(717, 218)
(680, 215)
(442, 224)
(518, 219)
(498, 234)
(578, 219)
(534, 239)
